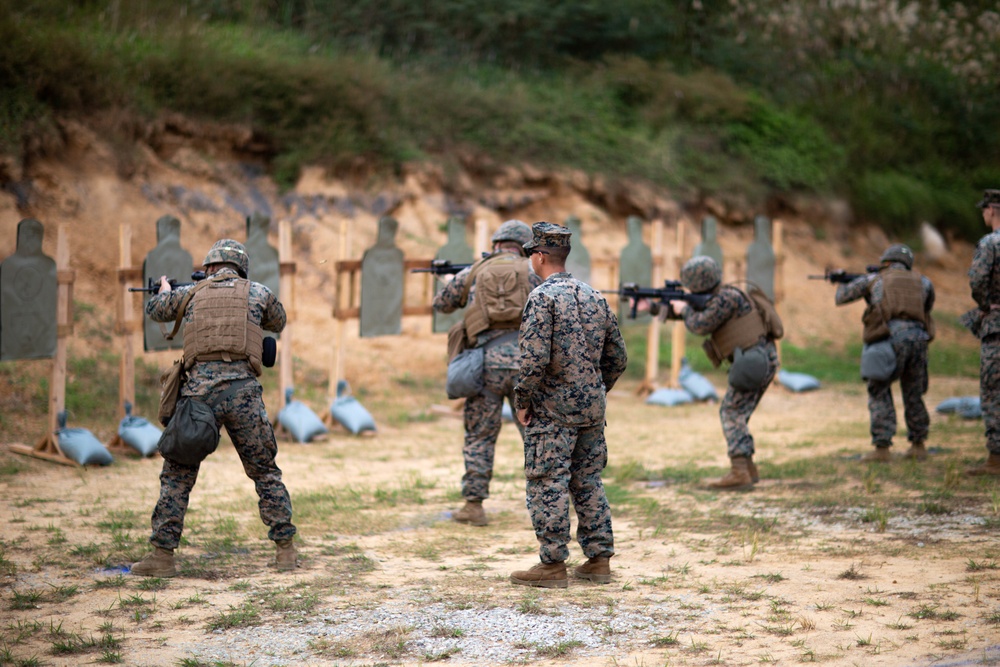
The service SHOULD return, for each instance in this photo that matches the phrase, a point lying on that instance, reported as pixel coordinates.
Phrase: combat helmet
(898, 252)
(512, 230)
(701, 274)
(228, 251)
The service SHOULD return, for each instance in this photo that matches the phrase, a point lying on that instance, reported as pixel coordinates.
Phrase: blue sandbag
(955, 404)
(299, 420)
(797, 382)
(80, 445)
(349, 412)
(139, 434)
(696, 384)
(669, 397)
(971, 408)
(506, 414)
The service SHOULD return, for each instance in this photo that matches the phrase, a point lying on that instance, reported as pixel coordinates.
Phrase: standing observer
(224, 318)
(495, 290)
(739, 332)
(984, 279)
(572, 353)
(899, 301)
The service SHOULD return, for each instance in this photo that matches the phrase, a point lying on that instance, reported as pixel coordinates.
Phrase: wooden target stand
(47, 447)
(347, 306)
(126, 325)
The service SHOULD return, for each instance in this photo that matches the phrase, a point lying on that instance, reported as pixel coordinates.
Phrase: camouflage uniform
(572, 353)
(909, 341)
(984, 279)
(737, 405)
(242, 414)
(483, 413)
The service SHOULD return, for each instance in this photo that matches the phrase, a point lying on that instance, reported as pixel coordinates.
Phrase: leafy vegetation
(885, 104)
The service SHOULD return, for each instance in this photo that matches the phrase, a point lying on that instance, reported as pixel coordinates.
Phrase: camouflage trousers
(738, 405)
(483, 418)
(911, 371)
(563, 463)
(245, 420)
(989, 390)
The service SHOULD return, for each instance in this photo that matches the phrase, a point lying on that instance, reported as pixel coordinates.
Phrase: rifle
(444, 267)
(841, 276)
(153, 285)
(657, 296)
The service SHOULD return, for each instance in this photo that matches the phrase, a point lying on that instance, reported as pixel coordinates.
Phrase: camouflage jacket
(572, 352)
(502, 356)
(984, 280)
(869, 288)
(725, 304)
(203, 377)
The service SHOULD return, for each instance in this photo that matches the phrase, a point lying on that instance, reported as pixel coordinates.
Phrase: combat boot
(160, 563)
(472, 514)
(543, 575)
(598, 570)
(880, 455)
(991, 467)
(738, 477)
(752, 469)
(286, 558)
(917, 452)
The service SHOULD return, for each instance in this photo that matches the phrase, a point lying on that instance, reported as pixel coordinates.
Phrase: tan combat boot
(880, 455)
(598, 570)
(738, 477)
(160, 563)
(752, 469)
(472, 514)
(543, 575)
(991, 467)
(286, 557)
(917, 452)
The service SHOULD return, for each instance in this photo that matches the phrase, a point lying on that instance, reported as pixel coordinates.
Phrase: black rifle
(444, 267)
(672, 290)
(153, 285)
(841, 276)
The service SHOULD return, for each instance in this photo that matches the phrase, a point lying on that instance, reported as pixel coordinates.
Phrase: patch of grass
(26, 600)
(852, 573)
(245, 615)
(559, 650)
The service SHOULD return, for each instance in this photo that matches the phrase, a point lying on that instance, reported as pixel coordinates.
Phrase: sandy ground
(798, 569)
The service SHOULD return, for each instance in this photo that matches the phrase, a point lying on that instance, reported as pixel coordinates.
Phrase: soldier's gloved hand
(164, 285)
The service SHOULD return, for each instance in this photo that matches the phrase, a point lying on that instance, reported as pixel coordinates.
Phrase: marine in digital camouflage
(483, 413)
(243, 416)
(572, 353)
(984, 280)
(909, 341)
(737, 405)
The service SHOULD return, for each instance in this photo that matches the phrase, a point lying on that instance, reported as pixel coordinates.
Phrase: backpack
(502, 288)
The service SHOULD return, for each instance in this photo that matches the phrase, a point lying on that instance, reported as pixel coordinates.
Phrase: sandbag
(299, 420)
(968, 407)
(139, 434)
(506, 413)
(81, 446)
(878, 361)
(749, 369)
(465, 374)
(797, 382)
(669, 397)
(696, 384)
(349, 412)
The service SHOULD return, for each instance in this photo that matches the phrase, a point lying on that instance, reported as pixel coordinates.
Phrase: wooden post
(678, 335)
(648, 385)
(482, 238)
(47, 446)
(777, 230)
(287, 285)
(125, 327)
(337, 365)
